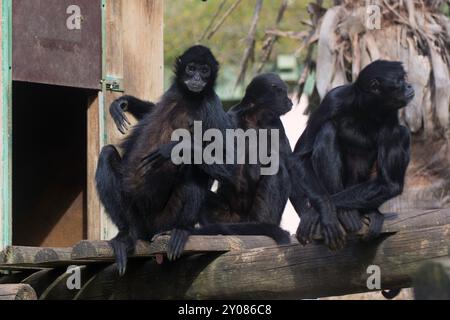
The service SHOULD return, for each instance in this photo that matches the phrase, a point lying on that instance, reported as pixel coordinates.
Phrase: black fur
(143, 201)
(353, 155)
(250, 203)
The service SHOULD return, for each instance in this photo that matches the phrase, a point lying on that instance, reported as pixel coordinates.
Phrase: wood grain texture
(287, 272)
(33, 255)
(17, 292)
(134, 52)
(93, 149)
(250, 267)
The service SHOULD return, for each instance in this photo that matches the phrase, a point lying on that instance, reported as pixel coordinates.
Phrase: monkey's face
(281, 101)
(393, 90)
(196, 76)
(269, 95)
(384, 87)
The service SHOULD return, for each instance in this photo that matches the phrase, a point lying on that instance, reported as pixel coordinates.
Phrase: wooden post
(286, 272)
(17, 292)
(93, 148)
(5, 125)
(432, 281)
(133, 52)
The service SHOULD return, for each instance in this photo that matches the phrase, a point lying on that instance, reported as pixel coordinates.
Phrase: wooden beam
(17, 292)
(91, 251)
(432, 281)
(101, 250)
(131, 27)
(93, 149)
(41, 279)
(286, 272)
(15, 255)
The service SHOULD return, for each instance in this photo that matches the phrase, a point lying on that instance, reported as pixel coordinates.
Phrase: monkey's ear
(374, 86)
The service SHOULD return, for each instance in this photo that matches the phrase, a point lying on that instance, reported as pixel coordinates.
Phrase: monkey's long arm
(221, 172)
(138, 108)
(393, 160)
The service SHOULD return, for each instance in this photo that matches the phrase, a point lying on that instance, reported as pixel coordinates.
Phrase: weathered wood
(59, 289)
(101, 250)
(286, 272)
(432, 281)
(33, 255)
(17, 292)
(132, 27)
(93, 149)
(42, 279)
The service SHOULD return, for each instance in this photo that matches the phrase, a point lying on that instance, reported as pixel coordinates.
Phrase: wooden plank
(61, 55)
(143, 32)
(132, 27)
(33, 255)
(432, 281)
(17, 292)
(286, 272)
(113, 67)
(93, 149)
(101, 250)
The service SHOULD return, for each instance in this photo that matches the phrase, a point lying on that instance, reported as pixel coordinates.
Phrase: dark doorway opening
(49, 164)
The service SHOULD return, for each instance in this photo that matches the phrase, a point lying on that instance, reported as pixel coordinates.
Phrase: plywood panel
(62, 51)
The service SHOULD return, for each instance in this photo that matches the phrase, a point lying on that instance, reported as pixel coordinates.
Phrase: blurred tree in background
(187, 20)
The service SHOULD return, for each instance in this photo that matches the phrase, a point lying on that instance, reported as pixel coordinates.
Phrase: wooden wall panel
(93, 147)
(133, 51)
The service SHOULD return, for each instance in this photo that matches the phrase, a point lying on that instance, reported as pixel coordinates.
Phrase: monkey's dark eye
(205, 70)
(191, 68)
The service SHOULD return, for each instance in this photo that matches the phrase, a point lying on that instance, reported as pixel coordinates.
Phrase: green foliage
(186, 21)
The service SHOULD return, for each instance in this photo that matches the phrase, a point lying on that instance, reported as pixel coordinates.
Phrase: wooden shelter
(63, 63)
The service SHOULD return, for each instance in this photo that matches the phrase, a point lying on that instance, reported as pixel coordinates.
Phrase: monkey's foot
(376, 219)
(334, 235)
(351, 220)
(177, 242)
(122, 245)
(309, 222)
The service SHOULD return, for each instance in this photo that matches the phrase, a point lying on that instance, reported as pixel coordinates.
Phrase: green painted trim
(103, 132)
(6, 192)
(102, 106)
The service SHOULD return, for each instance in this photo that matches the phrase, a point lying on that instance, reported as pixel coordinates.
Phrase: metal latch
(114, 84)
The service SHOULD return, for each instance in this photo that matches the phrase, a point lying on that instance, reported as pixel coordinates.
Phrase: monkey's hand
(333, 233)
(157, 157)
(309, 222)
(117, 111)
(351, 220)
(375, 219)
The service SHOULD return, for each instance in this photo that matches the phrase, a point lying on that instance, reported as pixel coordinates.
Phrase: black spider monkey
(353, 155)
(253, 203)
(146, 201)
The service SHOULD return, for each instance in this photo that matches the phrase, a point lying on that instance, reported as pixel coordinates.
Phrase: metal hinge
(114, 84)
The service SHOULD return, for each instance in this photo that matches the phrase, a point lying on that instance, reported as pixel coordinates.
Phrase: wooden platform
(235, 267)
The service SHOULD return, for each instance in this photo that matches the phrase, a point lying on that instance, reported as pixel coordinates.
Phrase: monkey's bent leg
(108, 178)
(328, 165)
